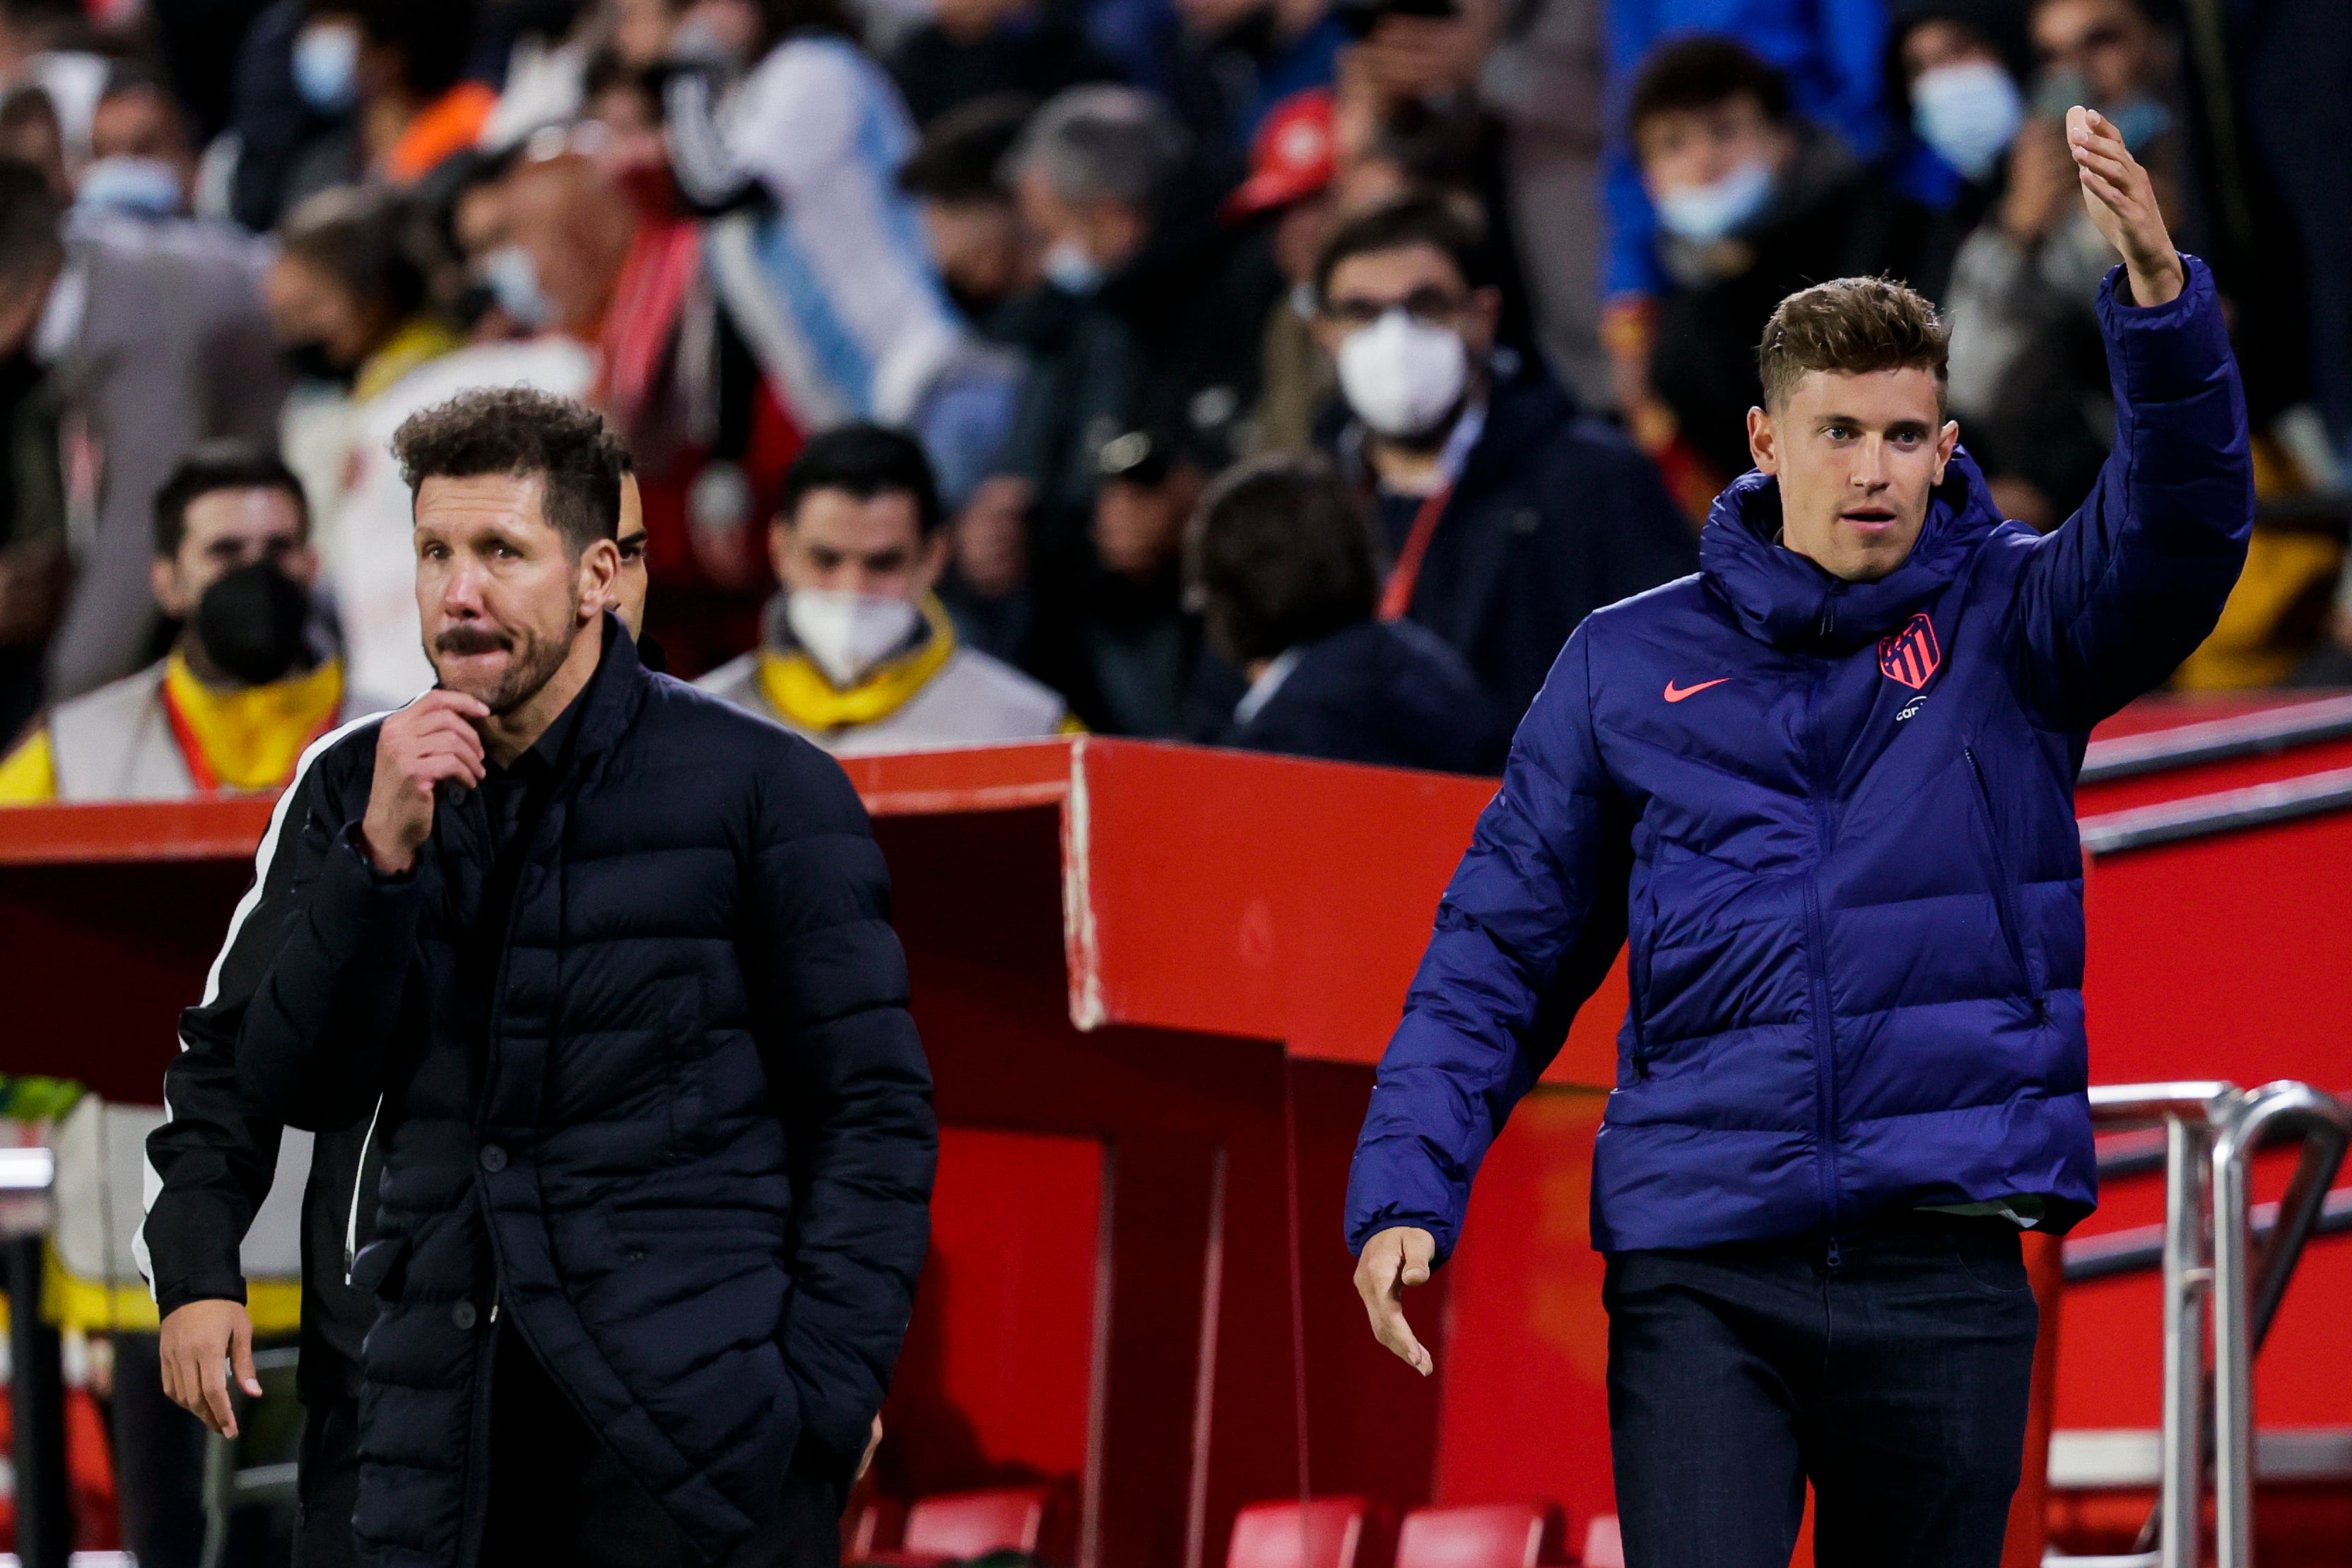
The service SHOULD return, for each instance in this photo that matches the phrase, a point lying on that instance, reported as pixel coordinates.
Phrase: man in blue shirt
(1823, 792)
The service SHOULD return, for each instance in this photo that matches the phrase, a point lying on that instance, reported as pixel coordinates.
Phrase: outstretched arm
(1531, 922)
(2120, 594)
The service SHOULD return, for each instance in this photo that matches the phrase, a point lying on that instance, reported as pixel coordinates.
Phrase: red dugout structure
(1153, 980)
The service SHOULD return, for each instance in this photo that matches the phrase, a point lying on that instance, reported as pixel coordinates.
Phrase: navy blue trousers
(1894, 1374)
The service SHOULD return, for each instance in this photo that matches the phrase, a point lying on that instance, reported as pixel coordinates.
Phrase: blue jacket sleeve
(2113, 599)
(1531, 922)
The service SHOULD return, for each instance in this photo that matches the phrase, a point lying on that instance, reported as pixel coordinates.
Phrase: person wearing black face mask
(347, 301)
(251, 679)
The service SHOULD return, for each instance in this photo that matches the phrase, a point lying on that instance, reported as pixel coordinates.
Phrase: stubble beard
(532, 661)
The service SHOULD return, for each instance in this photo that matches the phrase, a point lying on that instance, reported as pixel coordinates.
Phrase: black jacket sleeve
(313, 1030)
(212, 1162)
(855, 1090)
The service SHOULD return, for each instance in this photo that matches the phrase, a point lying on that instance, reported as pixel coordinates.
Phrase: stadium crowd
(1285, 373)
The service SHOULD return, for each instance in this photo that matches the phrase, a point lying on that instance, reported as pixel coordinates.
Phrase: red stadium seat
(1321, 1532)
(969, 1523)
(1504, 1535)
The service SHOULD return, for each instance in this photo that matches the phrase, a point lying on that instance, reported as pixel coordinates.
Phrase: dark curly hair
(521, 430)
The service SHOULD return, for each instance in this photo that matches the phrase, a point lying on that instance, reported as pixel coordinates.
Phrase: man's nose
(1869, 471)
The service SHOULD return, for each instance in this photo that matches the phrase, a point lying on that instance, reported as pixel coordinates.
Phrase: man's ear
(600, 578)
(930, 563)
(1763, 441)
(1947, 441)
(164, 583)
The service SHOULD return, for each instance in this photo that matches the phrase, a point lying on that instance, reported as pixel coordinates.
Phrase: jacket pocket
(382, 1268)
(2004, 889)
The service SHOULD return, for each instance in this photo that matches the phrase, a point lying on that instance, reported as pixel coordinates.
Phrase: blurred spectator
(32, 482)
(971, 48)
(49, 44)
(251, 678)
(1280, 565)
(29, 134)
(347, 302)
(140, 161)
(414, 106)
(197, 44)
(1830, 54)
(1505, 517)
(824, 273)
(1235, 59)
(1409, 97)
(2029, 379)
(157, 338)
(1149, 318)
(971, 221)
(1289, 193)
(1545, 83)
(294, 112)
(1955, 76)
(1129, 660)
(1753, 203)
(547, 66)
(857, 653)
(2297, 59)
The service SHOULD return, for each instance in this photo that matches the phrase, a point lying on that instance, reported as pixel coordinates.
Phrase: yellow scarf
(799, 691)
(252, 736)
(415, 342)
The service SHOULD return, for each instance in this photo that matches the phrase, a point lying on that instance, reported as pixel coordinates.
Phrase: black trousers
(159, 1460)
(1895, 1377)
(328, 1489)
(559, 1494)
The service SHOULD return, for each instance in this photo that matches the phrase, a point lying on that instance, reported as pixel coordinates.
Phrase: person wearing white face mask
(1753, 203)
(857, 654)
(140, 165)
(1953, 73)
(1505, 516)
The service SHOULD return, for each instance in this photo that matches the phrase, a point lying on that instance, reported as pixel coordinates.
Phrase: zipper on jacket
(2004, 895)
(1817, 967)
(359, 1185)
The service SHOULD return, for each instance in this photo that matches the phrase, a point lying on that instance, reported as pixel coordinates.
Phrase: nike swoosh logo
(1675, 694)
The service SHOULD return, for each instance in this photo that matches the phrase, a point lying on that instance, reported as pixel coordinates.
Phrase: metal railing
(2219, 1287)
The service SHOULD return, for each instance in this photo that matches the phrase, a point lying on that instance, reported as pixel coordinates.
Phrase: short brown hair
(521, 432)
(1851, 325)
(1279, 555)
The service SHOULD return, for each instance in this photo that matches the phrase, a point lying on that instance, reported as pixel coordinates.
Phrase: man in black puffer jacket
(606, 967)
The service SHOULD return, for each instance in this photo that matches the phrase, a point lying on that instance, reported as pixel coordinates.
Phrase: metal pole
(37, 1391)
(2233, 1348)
(2187, 1273)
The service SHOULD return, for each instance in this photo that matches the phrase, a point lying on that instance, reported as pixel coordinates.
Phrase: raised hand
(2122, 202)
(1391, 1260)
(431, 740)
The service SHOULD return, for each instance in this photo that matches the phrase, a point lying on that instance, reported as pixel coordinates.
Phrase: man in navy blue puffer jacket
(604, 966)
(1823, 792)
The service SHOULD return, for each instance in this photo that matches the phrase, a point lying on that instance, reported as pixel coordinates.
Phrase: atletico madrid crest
(1911, 655)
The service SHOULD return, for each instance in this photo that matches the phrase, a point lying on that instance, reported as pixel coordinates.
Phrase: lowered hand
(1391, 1260)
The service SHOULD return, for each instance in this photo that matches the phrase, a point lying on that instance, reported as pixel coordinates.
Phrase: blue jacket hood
(1782, 598)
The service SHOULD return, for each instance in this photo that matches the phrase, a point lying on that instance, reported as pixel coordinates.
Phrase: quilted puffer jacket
(683, 1139)
(1834, 825)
